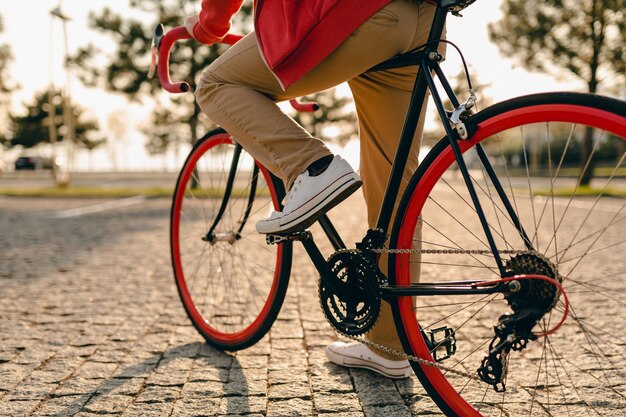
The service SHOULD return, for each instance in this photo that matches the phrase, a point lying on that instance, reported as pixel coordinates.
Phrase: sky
(37, 43)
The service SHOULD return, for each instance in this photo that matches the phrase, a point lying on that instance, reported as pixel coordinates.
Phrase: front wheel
(231, 283)
(539, 146)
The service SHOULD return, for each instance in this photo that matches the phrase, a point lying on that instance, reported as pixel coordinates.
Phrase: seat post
(439, 22)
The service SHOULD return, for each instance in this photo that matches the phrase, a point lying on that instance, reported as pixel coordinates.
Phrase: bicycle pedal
(272, 239)
(441, 342)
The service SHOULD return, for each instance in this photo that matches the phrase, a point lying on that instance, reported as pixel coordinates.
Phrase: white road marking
(97, 208)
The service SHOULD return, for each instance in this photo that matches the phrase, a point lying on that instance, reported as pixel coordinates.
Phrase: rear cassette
(533, 293)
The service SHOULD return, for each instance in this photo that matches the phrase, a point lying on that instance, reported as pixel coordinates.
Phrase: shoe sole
(318, 210)
(340, 360)
(406, 374)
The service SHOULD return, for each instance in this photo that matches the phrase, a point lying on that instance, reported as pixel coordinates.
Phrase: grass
(567, 172)
(582, 192)
(98, 192)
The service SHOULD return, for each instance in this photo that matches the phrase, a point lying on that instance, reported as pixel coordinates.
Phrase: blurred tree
(117, 124)
(461, 90)
(163, 130)
(178, 119)
(585, 37)
(335, 119)
(127, 68)
(32, 129)
(5, 59)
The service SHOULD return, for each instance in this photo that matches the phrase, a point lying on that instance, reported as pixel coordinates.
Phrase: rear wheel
(232, 284)
(539, 146)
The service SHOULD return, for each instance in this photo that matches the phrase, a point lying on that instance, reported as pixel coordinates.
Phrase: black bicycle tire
(283, 278)
(566, 98)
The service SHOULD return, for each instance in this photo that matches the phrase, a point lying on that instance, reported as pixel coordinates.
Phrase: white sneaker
(311, 197)
(357, 355)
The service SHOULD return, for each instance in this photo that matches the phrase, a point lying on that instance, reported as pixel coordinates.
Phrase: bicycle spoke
(589, 248)
(553, 179)
(229, 278)
(532, 189)
(595, 203)
(495, 207)
(571, 198)
(468, 305)
(492, 269)
(429, 306)
(512, 195)
(461, 224)
(584, 239)
(603, 248)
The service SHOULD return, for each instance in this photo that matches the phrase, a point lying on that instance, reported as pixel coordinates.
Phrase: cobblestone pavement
(91, 324)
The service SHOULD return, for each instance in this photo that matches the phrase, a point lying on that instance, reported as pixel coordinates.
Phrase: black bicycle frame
(228, 190)
(428, 59)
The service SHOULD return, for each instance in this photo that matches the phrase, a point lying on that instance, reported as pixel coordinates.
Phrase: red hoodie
(293, 35)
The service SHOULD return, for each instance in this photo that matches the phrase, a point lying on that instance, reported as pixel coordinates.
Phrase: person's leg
(238, 91)
(382, 100)
(378, 146)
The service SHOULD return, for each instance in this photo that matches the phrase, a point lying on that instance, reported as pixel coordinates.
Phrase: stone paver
(91, 325)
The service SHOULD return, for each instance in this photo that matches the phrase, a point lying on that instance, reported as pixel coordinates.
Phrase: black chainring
(350, 297)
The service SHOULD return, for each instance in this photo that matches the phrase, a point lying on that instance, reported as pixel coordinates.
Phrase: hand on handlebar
(190, 23)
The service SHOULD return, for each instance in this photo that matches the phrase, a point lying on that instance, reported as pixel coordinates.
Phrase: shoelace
(291, 192)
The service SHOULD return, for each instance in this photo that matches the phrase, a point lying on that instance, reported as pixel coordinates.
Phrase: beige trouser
(238, 92)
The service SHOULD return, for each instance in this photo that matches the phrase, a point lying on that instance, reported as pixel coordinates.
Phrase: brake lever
(154, 54)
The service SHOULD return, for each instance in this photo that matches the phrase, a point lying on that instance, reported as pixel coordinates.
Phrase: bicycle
(505, 319)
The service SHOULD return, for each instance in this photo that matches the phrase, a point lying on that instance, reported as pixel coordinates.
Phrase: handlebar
(163, 42)
(161, 46)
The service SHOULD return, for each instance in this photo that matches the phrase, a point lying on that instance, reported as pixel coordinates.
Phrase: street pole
(68, 114)
(52, 127)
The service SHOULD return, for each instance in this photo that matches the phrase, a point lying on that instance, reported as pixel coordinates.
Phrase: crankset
(351, 300)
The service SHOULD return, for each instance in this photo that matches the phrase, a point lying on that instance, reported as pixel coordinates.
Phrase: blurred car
(32, 163)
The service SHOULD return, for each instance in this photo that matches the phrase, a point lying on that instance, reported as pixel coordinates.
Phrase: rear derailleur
(513, 332)
(530, 300)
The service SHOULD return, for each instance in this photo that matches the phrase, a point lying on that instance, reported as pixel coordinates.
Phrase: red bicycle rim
(197, 318)
(526, 115)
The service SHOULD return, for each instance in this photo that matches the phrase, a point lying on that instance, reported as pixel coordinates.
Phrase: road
(91, 324)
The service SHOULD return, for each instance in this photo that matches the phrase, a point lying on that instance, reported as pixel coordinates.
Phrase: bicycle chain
(411, 358)
(447, 251)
